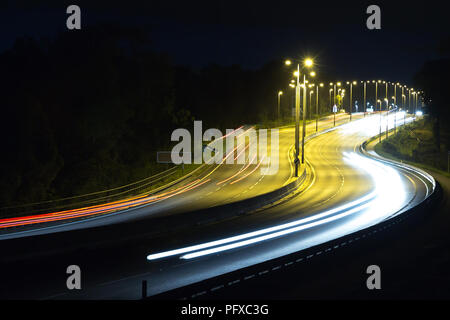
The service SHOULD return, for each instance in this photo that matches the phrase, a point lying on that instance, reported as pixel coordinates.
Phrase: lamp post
(307, 63)
(386, 96)
(403, 103)
(387, 115)
(417, 97)
(380, 118)
(351, 96)
(317, 105)
(376, 93)
(409, 99)
(331, 104)
(365, 105)
(332, 108)
(334, 98)
(334, 90)
(395, 106)
(279, 97)
(297, 119)
(395, 113)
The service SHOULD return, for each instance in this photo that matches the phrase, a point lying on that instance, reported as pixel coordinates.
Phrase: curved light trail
(387, 199)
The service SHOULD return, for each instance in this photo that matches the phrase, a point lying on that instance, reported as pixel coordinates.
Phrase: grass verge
(415, 144)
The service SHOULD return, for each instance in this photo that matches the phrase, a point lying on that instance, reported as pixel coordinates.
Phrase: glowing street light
(365, 105)
(352, 83)
(403, 105)
(279, 98)
(394, 97)
(307, 63)
(379, 101)
(334, 97)
(317, 105)
(387, 115)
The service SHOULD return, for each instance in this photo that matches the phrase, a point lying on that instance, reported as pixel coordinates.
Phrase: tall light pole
(387, 115)
(334, 90)
(395, 113)
(331, 104)
(417, 97)
(386, 96)
(395, 91)
(409, 99)
(309, 107)
(310, 103)
(352, 83)
(279, 97)
(376, 93)
(307, 63)
(380, 117)
(395, 106)
(334, 99)
(403, 103)
(317, 105)
(297, 119)
(365, 106)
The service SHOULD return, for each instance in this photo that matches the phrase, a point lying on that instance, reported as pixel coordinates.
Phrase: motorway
(344, 192)
(213, 186)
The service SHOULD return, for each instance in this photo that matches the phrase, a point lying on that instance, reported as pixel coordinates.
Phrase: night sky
(251, 33)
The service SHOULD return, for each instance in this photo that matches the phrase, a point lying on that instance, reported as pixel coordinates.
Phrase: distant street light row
(339, 93)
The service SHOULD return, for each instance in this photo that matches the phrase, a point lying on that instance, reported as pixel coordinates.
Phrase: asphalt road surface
(344, 192)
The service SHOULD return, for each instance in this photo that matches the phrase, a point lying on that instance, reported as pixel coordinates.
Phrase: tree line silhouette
(89, 109)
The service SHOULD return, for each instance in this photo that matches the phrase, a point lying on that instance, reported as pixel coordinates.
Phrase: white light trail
(169, 253)
(388, 198)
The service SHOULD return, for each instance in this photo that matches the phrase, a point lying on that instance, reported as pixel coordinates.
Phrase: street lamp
(395, 112)
(417, 97)
(330, 91)
(409, 99)
(317, 105)
(352, 83)
(307, 63)
(403, 104)
(376, 93)
(334, 98)
(387, 115)
(365, 105)
(279, 97)
(380, 118)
